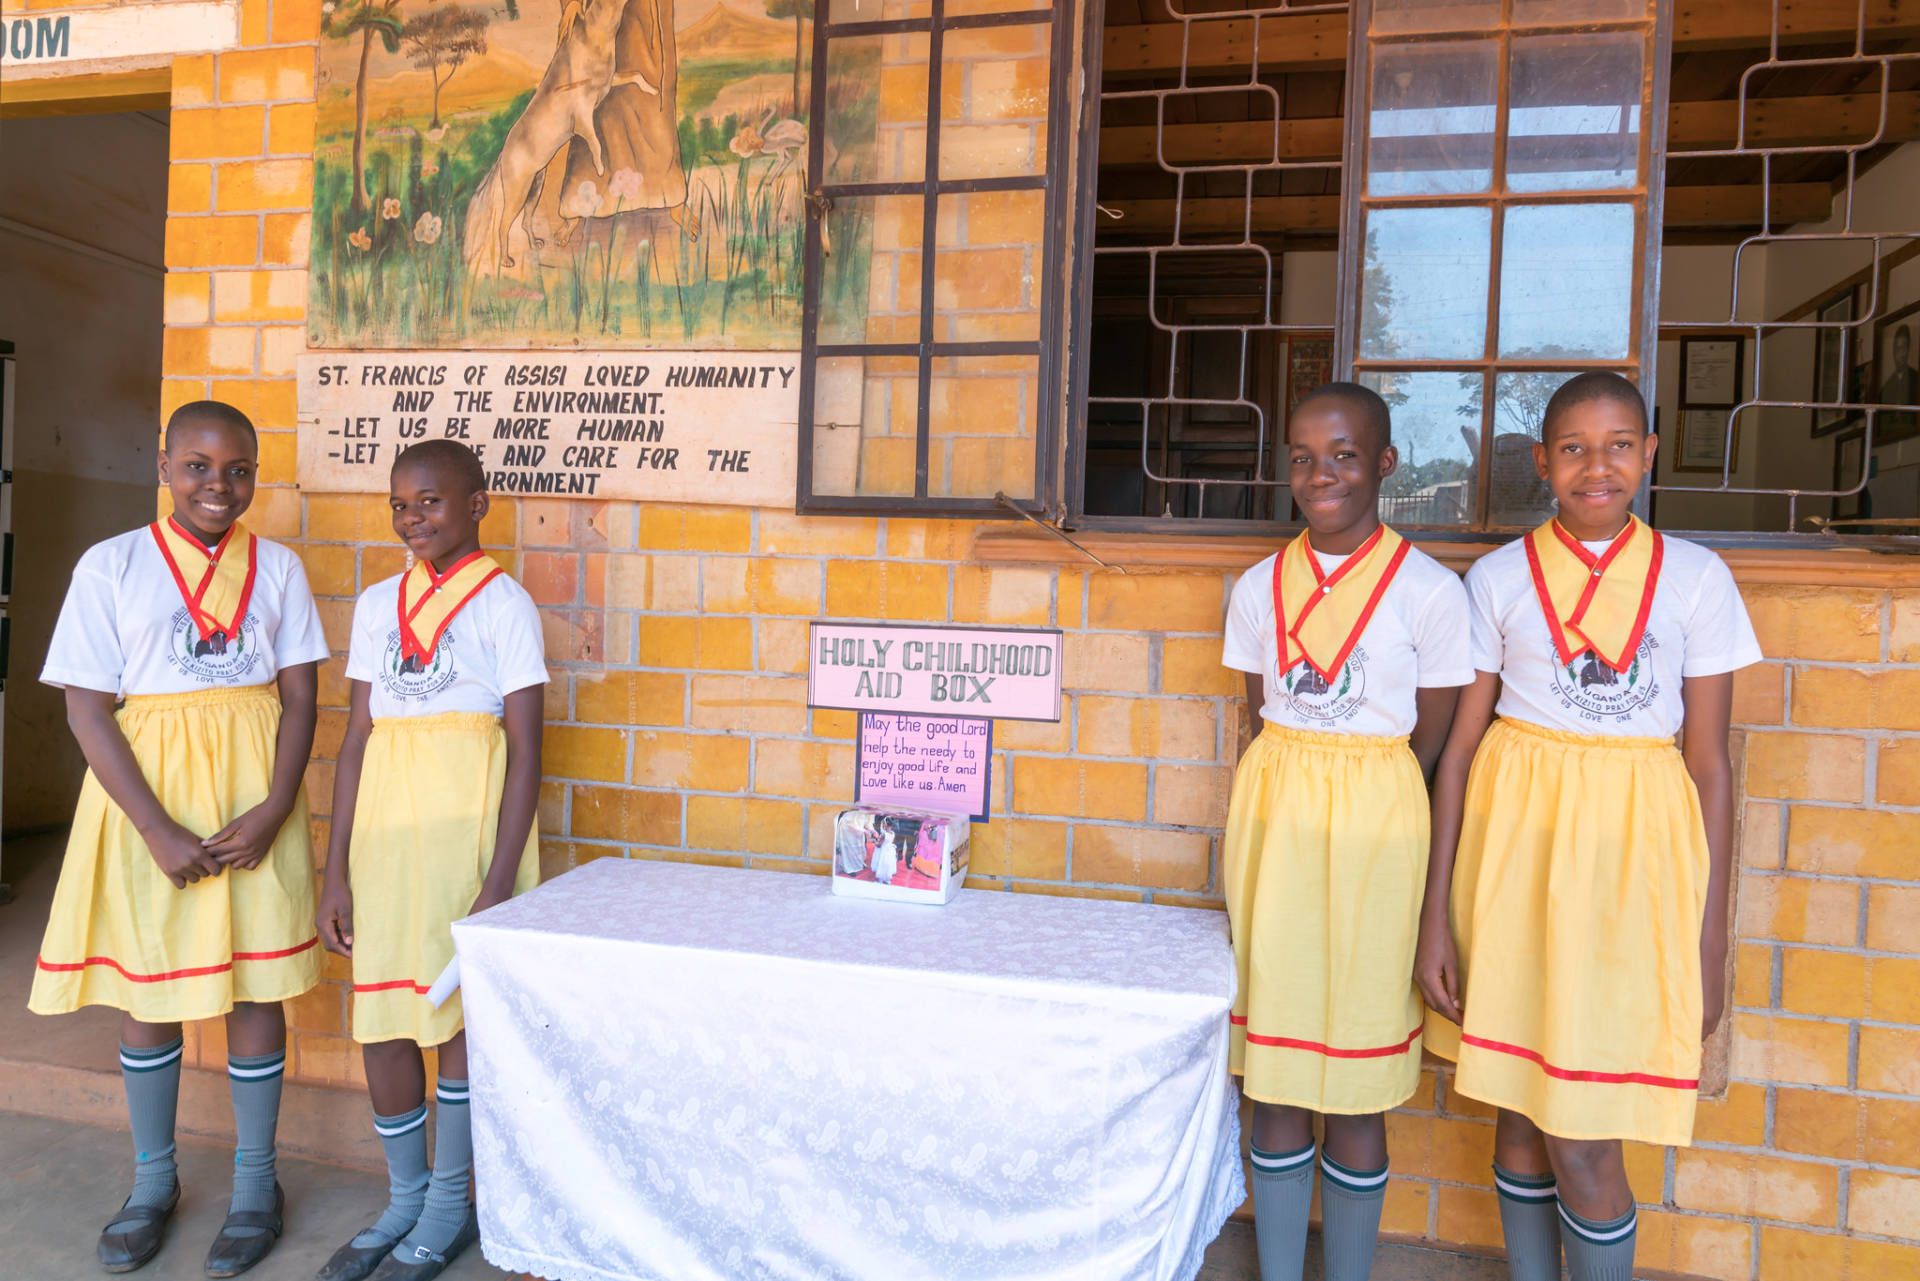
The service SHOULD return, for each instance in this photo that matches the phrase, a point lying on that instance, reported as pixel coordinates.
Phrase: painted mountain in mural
(725, 32)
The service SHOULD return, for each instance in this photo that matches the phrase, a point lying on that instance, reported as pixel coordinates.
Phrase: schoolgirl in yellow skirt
(1574, 934)
(187, 887)
(1354, 645)
(433, 820)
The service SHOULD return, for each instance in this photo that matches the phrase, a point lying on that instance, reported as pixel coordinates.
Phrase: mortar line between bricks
(1868, 953)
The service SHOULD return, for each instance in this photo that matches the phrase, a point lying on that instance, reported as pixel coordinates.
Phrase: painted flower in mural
(624, 185)
(427, 230)
(429, 169)
(390, 209)
(583, 203)
(360, 239)
(747, 142)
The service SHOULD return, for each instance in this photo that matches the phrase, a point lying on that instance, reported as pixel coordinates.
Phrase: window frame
(1053, 285)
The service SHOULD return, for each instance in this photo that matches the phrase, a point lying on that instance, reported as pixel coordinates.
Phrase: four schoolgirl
(1563, 913)
(1353, 645)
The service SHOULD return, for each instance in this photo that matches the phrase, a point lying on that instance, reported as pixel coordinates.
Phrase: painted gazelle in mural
(607, 101)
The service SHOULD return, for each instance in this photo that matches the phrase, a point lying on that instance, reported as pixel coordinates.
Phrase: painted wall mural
(567, 173)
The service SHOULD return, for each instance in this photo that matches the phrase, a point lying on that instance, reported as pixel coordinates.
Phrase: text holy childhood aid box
(897, 854)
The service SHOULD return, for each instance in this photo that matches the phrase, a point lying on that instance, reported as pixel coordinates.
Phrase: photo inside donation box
(927, 697)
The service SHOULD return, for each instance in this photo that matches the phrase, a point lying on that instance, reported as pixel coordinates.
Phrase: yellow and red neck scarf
(1319, 616)
(1598, 603)
(216, 582)
(436, 598)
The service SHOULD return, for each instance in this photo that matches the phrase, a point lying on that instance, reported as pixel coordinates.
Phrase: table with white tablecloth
(686, 1073)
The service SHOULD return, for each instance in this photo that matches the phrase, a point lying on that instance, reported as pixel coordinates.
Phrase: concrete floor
(60, 1181)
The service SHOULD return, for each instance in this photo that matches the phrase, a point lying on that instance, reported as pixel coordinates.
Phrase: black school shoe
(133, 1236)
(354, 1262)
(422, 1264)
(232, 1255)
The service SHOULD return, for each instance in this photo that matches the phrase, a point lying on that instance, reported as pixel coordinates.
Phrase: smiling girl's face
(209, 470)
(1594, 456)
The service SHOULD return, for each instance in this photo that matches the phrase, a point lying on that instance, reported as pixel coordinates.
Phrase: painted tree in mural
(440, 40)
(366, 19)
(801, 11)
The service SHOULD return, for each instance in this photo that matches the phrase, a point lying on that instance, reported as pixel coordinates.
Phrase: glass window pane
(1573, 122)
(988, 250)
(1556, 13)
(1434, 15)
(993, 101)
(876, 109)
(1430, 125)
(1436, 427)
(864, 411)
(981, 421)
(1423, 287)
(1515, 493)
(870, 275)
(874, 10)
(1566, 281)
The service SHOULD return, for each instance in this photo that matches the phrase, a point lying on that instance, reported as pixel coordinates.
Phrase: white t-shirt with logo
(492, 647)
(1416, 639)
(1698, 627)
(124, 629)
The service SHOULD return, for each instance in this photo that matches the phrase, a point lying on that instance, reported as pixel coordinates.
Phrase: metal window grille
(916, 356)
(1827, 98)
(1219, 146)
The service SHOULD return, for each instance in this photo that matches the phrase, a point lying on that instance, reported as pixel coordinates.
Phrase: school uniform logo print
(1312, 696)
(218, 659)
(1597, 692)
(412, 676)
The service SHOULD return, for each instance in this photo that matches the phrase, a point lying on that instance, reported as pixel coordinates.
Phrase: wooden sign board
(46, 42)
(660, 426)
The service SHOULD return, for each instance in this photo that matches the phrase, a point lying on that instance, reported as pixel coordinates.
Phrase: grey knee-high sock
(152, 1077)
(1599, 1251)
(405, 1139)
(1350, 1202)
(1530, 1222)
(255, 1082)
(445, 1211)
(1282, 1196)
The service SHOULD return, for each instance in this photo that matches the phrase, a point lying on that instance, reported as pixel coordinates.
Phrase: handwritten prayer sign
(950, 671)
(934, 763)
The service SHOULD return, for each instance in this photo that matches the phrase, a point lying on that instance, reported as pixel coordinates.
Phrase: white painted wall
(82, 220)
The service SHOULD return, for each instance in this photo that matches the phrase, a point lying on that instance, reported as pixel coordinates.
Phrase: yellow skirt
(121, 935)
(423, 834)
(1325, 864)
(1578, 897)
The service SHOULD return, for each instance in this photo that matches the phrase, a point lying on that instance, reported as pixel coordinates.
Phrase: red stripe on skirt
(393, 985)
(59, 967)
(1568, 1074)
(1289, 1043)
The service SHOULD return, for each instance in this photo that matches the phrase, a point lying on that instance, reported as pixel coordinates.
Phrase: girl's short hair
(214, 413)
(449, 456)
(1597, 384)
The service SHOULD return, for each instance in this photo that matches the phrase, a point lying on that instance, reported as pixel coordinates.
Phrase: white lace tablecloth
(687, 1073)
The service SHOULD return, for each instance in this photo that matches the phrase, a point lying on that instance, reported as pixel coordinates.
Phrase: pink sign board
(938, 671)
(937, 763)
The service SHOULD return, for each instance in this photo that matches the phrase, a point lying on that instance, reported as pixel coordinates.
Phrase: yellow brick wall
(678, 729)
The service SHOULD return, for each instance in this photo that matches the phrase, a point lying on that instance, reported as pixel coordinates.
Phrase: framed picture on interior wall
(1831, 363)
(1895, 341)
(1710, 369)
(1309, 364)
(1849, 456)
(1702, 446)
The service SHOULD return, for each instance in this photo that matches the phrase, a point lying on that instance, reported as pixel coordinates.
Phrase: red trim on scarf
(1289, 1043)
(1568, 1074)
(1561, 646)
(194, 597)
(410, 646)
(1324, 579)
(57, 967)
